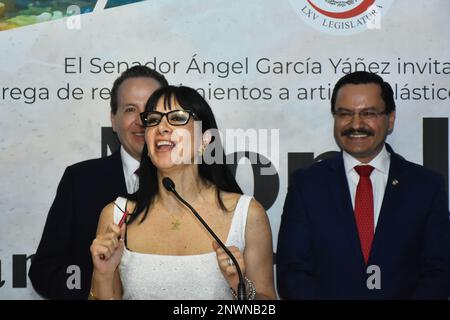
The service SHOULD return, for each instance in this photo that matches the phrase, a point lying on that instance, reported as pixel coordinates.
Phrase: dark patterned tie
(364, 209)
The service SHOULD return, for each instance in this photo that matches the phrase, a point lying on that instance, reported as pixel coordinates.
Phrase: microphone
(241, 292)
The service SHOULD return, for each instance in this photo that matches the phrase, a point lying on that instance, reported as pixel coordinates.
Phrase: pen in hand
(121, 222)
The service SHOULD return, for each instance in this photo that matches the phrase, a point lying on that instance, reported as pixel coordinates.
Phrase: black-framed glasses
(174, 117)
(347, 115)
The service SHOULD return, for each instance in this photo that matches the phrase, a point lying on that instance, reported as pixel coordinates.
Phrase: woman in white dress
(162, 251)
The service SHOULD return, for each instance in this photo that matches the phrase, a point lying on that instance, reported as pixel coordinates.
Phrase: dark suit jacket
(319, 254)
(84, 190)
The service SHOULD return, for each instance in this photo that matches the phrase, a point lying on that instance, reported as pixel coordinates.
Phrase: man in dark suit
(366, 224)
(86, 187)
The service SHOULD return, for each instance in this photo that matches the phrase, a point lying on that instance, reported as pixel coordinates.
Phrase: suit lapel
(116, 173)
(341, 197)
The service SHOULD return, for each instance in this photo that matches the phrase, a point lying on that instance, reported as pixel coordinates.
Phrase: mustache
(349, 131)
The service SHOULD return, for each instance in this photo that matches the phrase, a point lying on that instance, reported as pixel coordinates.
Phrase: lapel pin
(394, 182)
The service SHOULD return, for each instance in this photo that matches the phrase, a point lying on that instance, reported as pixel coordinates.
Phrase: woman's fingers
(107, 243)
(226, 264)
(219, 250)
(112, 227)
(221, 254)
(105, 247)
(103, 252)
(110, 240)
(231, 270)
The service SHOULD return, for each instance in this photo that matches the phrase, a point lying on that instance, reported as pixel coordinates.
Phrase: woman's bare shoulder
(233, 198)
(107, 214)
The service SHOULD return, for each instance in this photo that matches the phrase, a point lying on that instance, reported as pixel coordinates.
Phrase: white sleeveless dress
(164, 277)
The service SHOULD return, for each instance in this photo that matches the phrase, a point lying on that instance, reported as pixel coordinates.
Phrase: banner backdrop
(266, 67)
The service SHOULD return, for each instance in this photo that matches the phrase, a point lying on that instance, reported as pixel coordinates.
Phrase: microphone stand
(241, 292)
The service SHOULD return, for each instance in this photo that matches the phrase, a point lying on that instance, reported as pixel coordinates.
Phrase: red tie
(364, 209)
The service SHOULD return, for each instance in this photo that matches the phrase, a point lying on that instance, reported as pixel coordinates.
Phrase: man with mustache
(366, 224)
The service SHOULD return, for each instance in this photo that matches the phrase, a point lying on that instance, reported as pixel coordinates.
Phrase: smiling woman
(163, 251)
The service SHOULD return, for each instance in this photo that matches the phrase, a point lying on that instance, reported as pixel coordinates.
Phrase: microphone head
(168, 184)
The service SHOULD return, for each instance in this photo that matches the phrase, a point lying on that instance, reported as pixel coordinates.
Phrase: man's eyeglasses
(174, 117)
(346, 115)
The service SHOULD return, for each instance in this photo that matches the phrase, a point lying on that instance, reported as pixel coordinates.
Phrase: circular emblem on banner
(342, 17)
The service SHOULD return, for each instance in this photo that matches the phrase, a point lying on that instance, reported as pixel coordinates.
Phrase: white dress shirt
(379, 178)
(130, 165)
